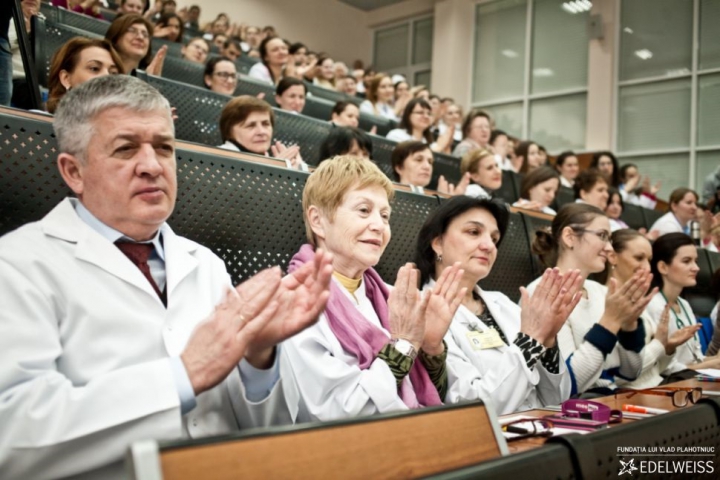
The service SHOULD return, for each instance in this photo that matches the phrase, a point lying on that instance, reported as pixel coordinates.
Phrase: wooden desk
(615, 402)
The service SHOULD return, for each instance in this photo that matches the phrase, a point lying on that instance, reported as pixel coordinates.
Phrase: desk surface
(615, 402)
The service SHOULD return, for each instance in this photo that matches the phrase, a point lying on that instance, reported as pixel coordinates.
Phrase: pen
(514, 429)
(636, 409)
(705, 378)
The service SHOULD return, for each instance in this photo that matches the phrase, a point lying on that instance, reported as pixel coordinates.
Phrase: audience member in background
(130, 36)
(160, 8)
(231, 49)
(513, 142)
(190, 17)
(420, 91)
(340, 70)
(476, 130)
(538, 190)
(345, 114)
(360, 358)
(246, 125)
(674, 267)
(379, 93)
(290, 94)
(298, 51)
(522, 369)
(252, 39)
(500, 145)
(527, 155)
(435, 104)
(219, 40)
(636, 189)
(346, 85)
(412, 164)
(183, 353)
(614, 210)
(607, 164)
(77, 61)
(568, 167)
(346, 141)
(219, 26)
(591, 187)
(401, 96)
(274, 56)
(221, 75)
(483, 173)
(170, 28)
(714, 203)
(90, 8)
(415, 125)
(131, 6)
(453, 116)
(543, 155)
(604, 334)
(714, 346)
(325, 73)
(632, 253)
(196, 50)
(711, 185)
(683, 207)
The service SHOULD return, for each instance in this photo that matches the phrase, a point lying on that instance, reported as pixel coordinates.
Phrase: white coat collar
(63, 223)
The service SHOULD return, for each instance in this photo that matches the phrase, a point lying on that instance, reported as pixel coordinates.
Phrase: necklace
(680, 324)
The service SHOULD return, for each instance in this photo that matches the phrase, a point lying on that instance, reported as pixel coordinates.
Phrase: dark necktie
(139, 253)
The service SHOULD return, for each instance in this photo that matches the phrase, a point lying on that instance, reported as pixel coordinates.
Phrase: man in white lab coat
(114, 329)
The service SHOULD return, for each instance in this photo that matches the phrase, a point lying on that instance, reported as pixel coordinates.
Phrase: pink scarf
(361, 338)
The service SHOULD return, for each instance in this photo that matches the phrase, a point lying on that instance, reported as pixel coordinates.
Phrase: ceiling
(369, 5)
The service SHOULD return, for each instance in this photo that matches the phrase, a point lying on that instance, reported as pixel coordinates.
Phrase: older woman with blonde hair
(360, 358)
(77, 61)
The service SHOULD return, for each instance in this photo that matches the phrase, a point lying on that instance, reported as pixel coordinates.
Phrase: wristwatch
(405, 347)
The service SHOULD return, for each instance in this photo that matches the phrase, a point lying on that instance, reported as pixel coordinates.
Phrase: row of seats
(247, 209)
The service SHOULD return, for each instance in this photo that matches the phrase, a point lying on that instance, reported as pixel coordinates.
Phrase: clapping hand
(444, 300)
(624, 304)
(407, 307)
(450, 189)
(671, 342)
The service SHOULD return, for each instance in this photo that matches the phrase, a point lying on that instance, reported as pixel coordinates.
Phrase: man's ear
(315, 218)
(72, 171)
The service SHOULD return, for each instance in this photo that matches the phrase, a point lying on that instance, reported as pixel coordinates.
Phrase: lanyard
(680, 324)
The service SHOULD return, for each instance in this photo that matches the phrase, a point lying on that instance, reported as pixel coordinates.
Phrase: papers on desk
(709, 372)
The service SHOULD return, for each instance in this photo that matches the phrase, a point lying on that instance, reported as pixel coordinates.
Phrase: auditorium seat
(73, 19)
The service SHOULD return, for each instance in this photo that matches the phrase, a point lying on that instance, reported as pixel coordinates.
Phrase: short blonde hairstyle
(471, 160)
(327, 185)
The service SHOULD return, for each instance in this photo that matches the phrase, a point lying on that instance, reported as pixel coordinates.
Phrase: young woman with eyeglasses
(603, 337)
(130, 36)
(415, 125)
(221, 75)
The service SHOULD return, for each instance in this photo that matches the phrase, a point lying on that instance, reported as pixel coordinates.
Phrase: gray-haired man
(114, 329)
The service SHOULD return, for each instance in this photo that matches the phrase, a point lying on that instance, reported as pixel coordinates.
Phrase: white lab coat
(668, 223)
(85, 342)
(499, 375)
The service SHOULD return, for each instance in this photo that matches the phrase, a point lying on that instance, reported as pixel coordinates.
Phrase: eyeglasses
(138, 32)
(603, 235)
(424, 113)
(527, 428)
(229, 76)
(681, 396)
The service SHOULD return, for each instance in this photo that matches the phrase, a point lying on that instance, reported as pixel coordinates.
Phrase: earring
(439, 258)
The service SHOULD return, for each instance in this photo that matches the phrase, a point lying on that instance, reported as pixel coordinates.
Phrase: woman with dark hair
(632, 253)
(614, 209)
(607, 164)
(221, 75)
(500, 351)
(170, 27)
(325, 72)
(604, 335)
(402, 96)
(683, 207)
(345, 141)
(527, 156)
(246, 125)
(379, 95)
(76, 62)
(345, 114)
(591, 187)
(290, 94)
(538, 190)
(476, 130)
(412, 163)
(130, 36)
(415, 125)
(568, 167)
(636, 189)
(484, 175)
(674, 267)
(274, 59)
(500, 143)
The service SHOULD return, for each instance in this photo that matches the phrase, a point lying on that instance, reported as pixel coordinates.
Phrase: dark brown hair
(586, 180)
(401, 153)
(537, 176)
(238, 109)
(120, 26)
(470, 117)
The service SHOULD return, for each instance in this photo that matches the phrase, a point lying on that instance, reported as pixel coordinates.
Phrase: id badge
(490, 338)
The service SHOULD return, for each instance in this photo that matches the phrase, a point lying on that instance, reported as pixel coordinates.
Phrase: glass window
(656, 38)
(508, 117)
(707, 163)
(654, 116)
(391, 47)
(422, 41)
(708, 110)
(558, 123)
(560, 47)
(423, 78)
(709, 34)
(499, 62)
(672, 170)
